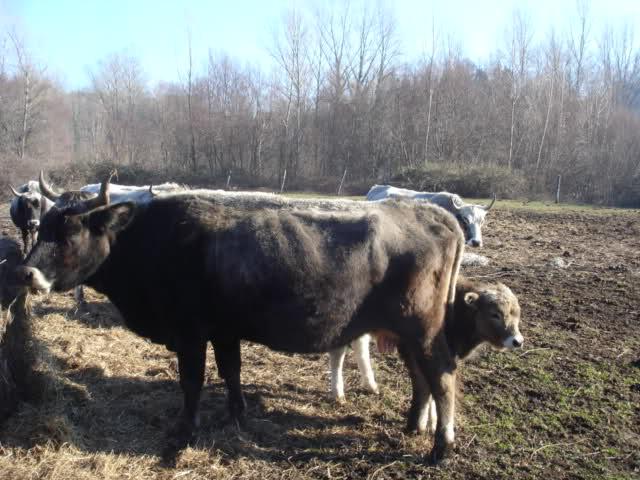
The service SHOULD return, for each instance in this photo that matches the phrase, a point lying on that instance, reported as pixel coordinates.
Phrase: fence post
(342, 181)
(284, 178)
(228, 180)
(558, 189)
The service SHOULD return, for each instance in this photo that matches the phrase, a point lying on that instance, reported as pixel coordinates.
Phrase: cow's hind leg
(361, 349)
(336, 362)
(229, 365)
(191, 363)
(418, 411)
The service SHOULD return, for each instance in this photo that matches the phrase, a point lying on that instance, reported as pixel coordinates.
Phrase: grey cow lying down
(483, 312)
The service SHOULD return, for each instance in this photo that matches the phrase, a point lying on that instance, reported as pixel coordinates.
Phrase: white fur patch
(39, 281)
(449, 434)
(336, 361)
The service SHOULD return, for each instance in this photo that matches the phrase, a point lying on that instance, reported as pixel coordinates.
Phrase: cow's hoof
(413, 425)
(373, 389)
(239, 422)
(180, 435)
(339, 399)
(440, 452)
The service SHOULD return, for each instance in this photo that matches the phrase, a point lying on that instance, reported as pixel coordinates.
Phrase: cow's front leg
(229, 365)
(191, 363)
(418, 411)
(26, 239)
(439, 369)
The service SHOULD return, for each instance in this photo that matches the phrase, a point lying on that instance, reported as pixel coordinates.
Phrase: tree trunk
(25, 113)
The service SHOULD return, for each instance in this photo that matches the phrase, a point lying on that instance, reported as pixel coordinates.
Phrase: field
(565, 406)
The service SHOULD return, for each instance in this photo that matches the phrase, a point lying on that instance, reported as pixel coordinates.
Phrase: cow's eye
(36, 203)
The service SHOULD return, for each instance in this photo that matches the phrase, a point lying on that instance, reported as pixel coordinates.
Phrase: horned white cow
(471, 217)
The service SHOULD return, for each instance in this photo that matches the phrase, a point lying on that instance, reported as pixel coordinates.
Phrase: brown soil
(566, 406)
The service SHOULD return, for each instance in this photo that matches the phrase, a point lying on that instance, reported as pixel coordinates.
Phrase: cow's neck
(462, 334)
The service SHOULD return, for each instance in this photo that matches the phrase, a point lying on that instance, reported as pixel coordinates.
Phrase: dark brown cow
(184, 270)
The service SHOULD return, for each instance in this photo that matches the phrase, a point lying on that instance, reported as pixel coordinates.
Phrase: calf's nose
(475, 243)
(517, 341)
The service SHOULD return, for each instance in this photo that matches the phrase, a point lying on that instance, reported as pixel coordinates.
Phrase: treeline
(339, 99)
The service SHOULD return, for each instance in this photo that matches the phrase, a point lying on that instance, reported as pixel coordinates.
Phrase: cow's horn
(46, 190)
(488, 207)
(15, 192)
(103, 197)
(455, 202)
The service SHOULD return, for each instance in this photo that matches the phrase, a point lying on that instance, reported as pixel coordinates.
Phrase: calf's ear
(470, 298)
(113, 218)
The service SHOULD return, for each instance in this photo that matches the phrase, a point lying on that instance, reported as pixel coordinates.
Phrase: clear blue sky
(70, 37)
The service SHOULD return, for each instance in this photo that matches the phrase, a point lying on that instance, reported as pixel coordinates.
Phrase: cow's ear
(113, 218)
(470, 298)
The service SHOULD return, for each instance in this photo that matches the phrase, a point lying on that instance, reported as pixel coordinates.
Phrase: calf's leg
(432, 417)
(418, 411)
(229, 365)
(439, 369)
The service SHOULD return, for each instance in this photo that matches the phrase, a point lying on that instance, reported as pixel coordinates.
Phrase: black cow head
(26, 209)
(74, 241)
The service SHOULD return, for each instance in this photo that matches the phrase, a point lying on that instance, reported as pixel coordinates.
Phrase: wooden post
(228, 180)
(342, 181)
(284, 179)
(558, 189)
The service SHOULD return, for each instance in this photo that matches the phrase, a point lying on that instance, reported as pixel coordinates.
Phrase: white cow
(130, 193)
(471, 217)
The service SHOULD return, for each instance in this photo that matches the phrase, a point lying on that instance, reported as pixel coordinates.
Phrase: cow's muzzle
(514, 341)
(33, 224)
(474, 242)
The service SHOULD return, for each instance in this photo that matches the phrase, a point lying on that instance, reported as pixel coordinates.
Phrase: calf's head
(496, 314)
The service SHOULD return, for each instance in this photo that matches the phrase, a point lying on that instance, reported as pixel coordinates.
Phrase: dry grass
(566, 407)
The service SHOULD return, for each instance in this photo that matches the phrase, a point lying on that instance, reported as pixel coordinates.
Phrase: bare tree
(519, 41)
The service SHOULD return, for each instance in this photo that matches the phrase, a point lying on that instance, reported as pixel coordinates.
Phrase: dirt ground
(565, 406)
